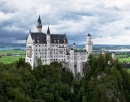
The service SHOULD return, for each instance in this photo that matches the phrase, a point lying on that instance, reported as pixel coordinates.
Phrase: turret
(74, 46)
(89, 44)
(48, 30)
(48, 40)
(48, 35)
(39, 25)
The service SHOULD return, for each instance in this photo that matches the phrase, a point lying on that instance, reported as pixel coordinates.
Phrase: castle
(50, 47)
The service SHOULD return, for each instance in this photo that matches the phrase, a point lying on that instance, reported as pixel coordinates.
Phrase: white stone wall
(29, 44)
(89, 44)
(51, 52)
(75, 60)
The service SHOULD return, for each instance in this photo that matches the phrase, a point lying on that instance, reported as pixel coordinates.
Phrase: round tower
(89, 44)
(74, 46)
(39, 25)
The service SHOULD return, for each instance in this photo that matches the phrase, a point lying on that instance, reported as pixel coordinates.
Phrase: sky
(108, 21)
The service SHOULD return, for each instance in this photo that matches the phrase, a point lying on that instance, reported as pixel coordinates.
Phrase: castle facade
(48, 48)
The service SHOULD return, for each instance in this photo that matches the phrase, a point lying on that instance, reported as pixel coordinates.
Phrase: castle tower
(74, 46)
(89, 44)
(39, 25)
(48, 40)
(71, 64)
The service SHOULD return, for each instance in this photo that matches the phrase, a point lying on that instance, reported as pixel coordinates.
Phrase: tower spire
(39, 24)
(39, 20)
(48, 30)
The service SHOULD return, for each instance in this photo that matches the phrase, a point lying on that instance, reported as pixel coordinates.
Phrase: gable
(29, 39)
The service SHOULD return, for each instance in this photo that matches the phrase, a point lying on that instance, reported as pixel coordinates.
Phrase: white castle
(54, 47)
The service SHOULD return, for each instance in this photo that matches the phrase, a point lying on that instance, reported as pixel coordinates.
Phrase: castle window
(45, 45)
(39, 45)
(39, 49)
(36, 45)
(36, 49)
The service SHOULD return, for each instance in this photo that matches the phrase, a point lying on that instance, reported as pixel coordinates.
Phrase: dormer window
(58, 40)
(64, 40)
(38, 39)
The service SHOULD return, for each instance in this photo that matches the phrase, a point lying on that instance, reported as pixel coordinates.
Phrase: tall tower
(48, 40)
(39, 25)
(89, 44)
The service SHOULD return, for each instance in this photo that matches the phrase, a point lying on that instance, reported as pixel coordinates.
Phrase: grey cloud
(101, 20)
(127, 27)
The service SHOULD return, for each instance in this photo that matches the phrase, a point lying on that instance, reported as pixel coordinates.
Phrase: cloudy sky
(108, 21)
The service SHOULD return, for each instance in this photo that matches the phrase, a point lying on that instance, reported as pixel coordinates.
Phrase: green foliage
(105, 81)
(18, 83)
(102, 82)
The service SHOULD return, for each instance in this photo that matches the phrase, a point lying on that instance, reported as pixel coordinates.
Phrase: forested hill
(102, 82)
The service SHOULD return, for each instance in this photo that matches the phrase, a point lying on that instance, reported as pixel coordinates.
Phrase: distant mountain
(9, 45)
(105, 47)
(95, 46)
(109, 47)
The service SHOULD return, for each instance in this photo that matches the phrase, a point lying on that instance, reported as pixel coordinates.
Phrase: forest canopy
(104, 81)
